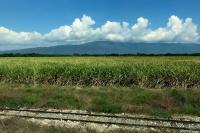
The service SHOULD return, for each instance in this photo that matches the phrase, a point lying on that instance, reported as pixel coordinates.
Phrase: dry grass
(19, 125)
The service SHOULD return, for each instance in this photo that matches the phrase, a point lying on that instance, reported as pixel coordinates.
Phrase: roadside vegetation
(155, 102)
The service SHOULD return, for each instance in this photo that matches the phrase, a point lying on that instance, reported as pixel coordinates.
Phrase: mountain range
(107, 47)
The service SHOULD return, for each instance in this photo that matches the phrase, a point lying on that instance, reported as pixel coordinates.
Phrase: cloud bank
(177, 30)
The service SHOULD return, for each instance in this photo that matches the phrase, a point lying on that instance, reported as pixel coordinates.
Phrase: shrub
(106, 105)
(158, 112)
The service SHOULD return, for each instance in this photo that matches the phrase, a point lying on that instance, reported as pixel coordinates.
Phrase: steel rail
(101, 122)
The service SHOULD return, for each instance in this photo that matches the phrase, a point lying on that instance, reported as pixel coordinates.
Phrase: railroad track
(120, 120)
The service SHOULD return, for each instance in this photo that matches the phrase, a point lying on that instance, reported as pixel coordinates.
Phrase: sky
(33, 23)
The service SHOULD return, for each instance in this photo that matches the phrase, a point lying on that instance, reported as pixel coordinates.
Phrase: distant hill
(106, 47)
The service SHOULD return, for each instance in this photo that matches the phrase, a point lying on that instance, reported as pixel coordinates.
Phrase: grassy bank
(151, 72)
(157, 102)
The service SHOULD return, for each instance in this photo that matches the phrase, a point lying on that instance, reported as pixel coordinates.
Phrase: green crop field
(153, 72)
(155, 85)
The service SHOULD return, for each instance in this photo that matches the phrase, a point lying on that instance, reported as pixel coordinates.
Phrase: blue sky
(145, 20)
(43, 15)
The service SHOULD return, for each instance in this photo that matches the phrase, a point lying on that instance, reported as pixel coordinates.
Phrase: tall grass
(125, 71)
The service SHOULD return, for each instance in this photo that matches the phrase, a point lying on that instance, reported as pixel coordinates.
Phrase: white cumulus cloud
(176, 30)
(82, 30)
(8, 36)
